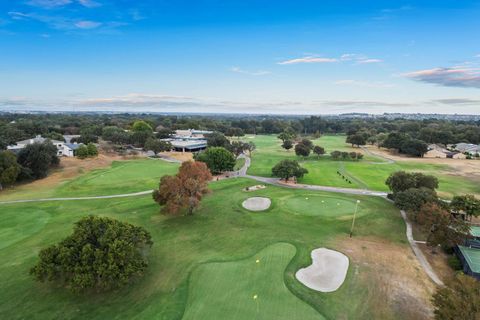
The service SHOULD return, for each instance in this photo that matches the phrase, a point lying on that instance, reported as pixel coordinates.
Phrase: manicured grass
(121, 177)
(325, 206)
(252, 288)
(369, 173)
(221, 230)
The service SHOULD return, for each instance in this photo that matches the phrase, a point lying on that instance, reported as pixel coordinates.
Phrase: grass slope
(252, 288)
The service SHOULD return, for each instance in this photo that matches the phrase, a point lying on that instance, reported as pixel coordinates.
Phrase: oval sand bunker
(327, 271)
(257, 204)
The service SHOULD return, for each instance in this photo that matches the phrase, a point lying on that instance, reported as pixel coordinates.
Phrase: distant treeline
(15, 127)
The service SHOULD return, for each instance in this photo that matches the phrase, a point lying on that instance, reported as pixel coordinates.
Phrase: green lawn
(186, 249)
(369, 173)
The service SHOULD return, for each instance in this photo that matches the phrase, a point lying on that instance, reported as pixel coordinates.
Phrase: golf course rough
(252, 288)
(327, 271)
(257, 203)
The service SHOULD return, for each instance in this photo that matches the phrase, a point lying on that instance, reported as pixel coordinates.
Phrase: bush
(454, 263)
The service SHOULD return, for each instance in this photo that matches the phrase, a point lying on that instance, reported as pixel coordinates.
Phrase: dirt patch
(458, 167)
(438, 261)
(393, 277)
(181, 156)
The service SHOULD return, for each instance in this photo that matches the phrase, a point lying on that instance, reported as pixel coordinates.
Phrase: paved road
(275, 181)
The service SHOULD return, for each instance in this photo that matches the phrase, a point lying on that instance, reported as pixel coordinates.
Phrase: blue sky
(308, 57)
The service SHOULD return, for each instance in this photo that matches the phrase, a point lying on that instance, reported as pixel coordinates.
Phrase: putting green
(19, 225)
(253, 288)
(315, 205)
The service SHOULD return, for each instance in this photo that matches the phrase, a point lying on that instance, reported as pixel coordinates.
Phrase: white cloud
(366, 61)
(308, 60)
(251, 73)
(89, 3)
(86, 24)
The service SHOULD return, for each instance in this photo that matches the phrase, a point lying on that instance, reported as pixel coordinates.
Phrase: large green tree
(9, 168)
(466, 203)
(414, 198)
(101, 254)
(218, 159)
(39, 157)
(142, 126)
(357, 139)
(401, 181)
(287, 169)
(217, 139)
(459, 299)
(157, 145)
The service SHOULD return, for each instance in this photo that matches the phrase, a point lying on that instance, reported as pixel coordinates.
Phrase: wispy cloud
(457, 76)
(366, 84)
(89, 3)
(48, 4)
(388, 13)
(458, 101)
(86, 24)
(358, 58)
(251, 73)
(308, 60)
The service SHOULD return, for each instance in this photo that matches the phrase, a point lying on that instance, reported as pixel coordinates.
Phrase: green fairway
(369, 173)
(326, 206)
(221, 230)
(252, 288)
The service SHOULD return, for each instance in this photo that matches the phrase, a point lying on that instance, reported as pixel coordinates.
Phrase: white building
(63, 149)
(469, 148)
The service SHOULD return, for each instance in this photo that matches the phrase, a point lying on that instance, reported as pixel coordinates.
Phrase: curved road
(275, 181)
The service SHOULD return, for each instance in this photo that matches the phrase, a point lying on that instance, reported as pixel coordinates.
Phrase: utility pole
(354, 214)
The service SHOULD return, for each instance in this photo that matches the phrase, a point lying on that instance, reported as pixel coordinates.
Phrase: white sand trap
(257, 204)
(327, 271)
(255, 188)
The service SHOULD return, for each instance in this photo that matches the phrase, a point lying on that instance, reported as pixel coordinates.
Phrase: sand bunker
(255, 188)
(327, 271)
(257, 204)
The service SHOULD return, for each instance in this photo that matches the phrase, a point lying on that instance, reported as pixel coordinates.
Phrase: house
(436, 151)
(469, 253)
(69, 149)
(188, 140)
(63, 149)
(467, 148)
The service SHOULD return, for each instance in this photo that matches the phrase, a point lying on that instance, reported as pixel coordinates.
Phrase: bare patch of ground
(257, 203)
(460, 167)
(393, 277)
(181, 156)
(438, 261)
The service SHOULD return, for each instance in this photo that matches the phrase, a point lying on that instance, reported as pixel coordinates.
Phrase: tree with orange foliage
(443, 228)
(184, 190)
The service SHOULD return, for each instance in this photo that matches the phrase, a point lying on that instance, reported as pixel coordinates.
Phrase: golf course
(201, 262)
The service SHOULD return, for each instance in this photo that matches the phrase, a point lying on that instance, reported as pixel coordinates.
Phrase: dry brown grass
(397, 284)
(438, 261)
(461, 167)
(181, 156)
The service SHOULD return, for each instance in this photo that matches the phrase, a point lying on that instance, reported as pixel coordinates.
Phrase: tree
(401, 181)
(217, 139)
(335, 155)
(466, 203)
(459, 299)
(3, 143)
(302, 150)
(115, 134)
(217, 159)
(238, 147)
(184, 190)
(82, 152)
(412, 199)
(250, 147)
(443, 228)
(287, 134)
(39, 157)
(157, 145)
(318, 150)
(308, 143)
(138, 138)
(394, 140)
(414, 147)
(9, 168)
(92, 150)
(287, 169)
(101, 253)
(142, 126)
(357, 139)
(234, 132)
(287, 144)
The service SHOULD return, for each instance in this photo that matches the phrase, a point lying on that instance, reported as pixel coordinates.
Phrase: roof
(475, 231)
(73, 146)
(37, 139)
(189, 143)
(472, 256)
